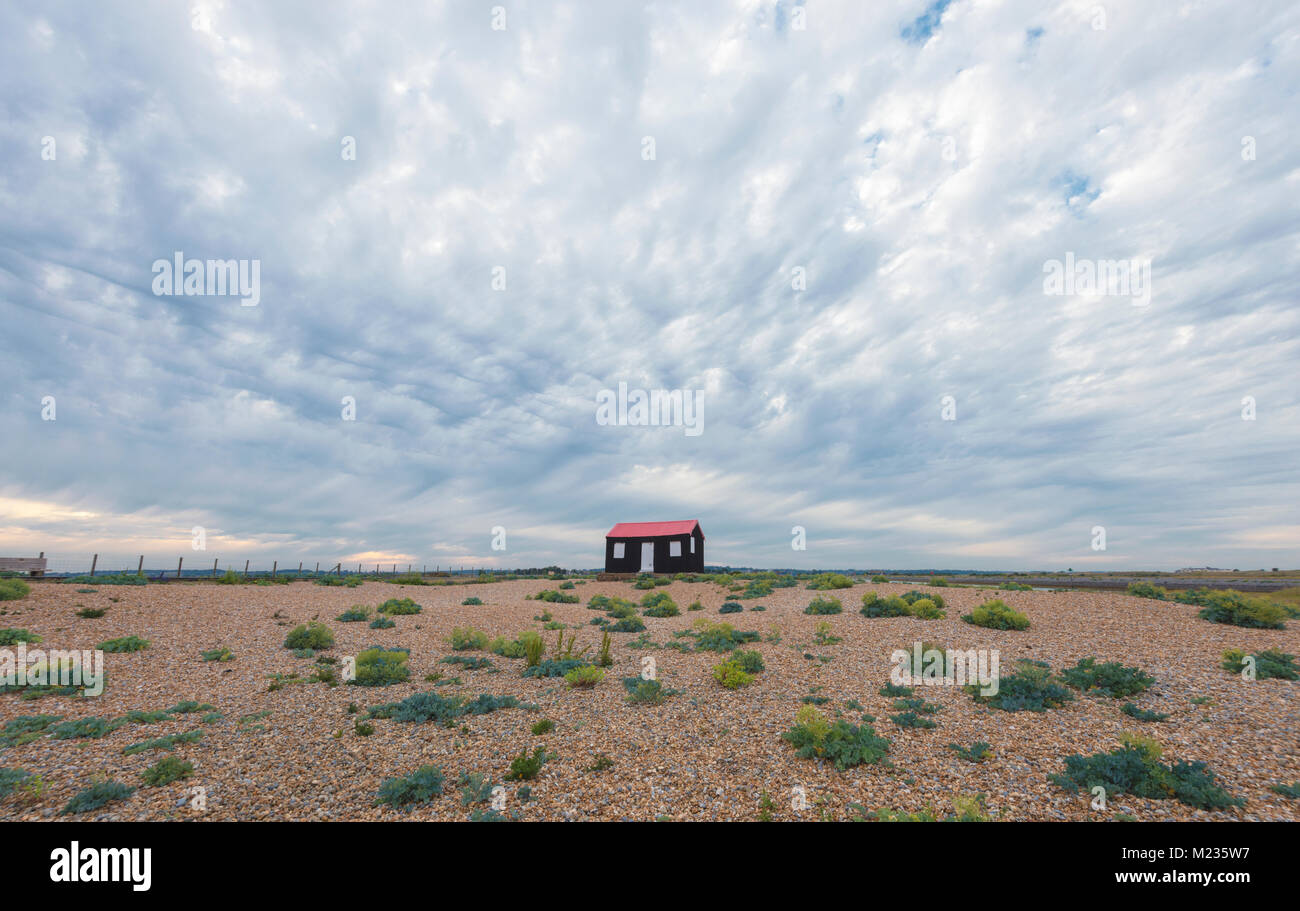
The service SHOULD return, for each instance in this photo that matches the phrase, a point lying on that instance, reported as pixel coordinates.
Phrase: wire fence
(199, 565)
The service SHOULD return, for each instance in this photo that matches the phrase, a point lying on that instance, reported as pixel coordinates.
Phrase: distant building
(655, 547)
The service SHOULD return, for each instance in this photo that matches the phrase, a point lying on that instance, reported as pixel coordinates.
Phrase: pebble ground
(705, 754)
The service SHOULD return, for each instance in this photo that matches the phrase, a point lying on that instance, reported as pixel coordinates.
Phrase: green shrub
(420, 787)
(93, 728)
(396, 607)
(1136, 769)
(96, 796)
(533, 648)
(553, 667)
(524, 767)
(469, 662)
(124, 644)
(879, 579)
(1111, 677)
(731, 607)
(911, 720)
(379, 666)
(11, 779)
(1014, 587)
(997, 615)
(25, 729)
(875, 606)
(965, 808)
(1287, 790)
(110, 579)
(310, 635)
(424, 707)
(926, 609)
(14, 589)
(824, 606)
(555, 597)
(719, 637)
(695, 605)
(829, 581)
(1147, 590)
(13, 636)
(382, 622)
(357, 613)
(465, 638)
(731, 675)
(91, 613)
(471, 602)
(584, 677)
(1270, 662)
(169, 742)
(627, 625)
(751, 662)
(913, 596)
(545, 726)
(916, 704)
(220, 653)
(976, 752)
(659, 604)
(646, 692)
(136, 716)
(1238, 611)
(1030, 688)
(844, 744)
(1133, 711)
(335, 581)
(167, 770)
(890, 689)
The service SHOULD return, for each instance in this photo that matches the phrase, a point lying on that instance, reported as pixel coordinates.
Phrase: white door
(648, 557)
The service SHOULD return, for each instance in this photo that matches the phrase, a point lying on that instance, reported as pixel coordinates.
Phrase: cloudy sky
(827, 218)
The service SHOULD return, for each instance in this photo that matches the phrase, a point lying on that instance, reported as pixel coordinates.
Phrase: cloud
(920, 163)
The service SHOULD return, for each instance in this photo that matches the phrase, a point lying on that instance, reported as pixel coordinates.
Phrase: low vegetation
(1135, 768)
(826, 605)
(997, 615)
(419, 787)
(1116, 680)
(1264, 664)
(844, 744)
(1029, 688)
(124, 644)
(310, 635)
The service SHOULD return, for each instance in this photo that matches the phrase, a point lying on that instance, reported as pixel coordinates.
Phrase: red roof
(654, 529)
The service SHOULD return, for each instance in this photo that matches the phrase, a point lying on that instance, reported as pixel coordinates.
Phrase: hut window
(674, 548)
(692, 543)
(618, 551)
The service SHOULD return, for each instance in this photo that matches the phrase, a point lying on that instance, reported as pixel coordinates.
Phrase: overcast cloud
(920, 163)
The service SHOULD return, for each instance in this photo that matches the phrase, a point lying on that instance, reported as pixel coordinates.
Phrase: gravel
(705, 754)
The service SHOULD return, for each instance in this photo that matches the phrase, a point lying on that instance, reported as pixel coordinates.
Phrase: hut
(655, 547)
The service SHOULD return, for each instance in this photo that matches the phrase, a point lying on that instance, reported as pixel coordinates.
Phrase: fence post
(139, 570)
(318, 567)
(275, 564)
(300, 567)
(93, 563)
(179, 561)
(245, 569)
(214, 567)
